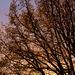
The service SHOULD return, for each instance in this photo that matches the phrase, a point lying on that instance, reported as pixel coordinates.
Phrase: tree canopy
(41, 36)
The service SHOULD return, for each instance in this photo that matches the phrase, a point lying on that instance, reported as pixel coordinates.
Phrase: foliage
(42, 37)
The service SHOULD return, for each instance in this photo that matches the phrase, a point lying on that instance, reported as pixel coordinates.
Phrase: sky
(4, 9)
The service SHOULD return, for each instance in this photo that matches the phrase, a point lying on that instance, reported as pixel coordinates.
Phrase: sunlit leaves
(43, 37)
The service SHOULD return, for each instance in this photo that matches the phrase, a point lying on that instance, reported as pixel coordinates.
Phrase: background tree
(42, 35)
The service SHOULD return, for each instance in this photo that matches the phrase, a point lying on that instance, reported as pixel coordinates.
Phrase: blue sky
(4, 9)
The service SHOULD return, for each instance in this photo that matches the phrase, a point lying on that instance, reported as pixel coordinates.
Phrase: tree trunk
(42, 72)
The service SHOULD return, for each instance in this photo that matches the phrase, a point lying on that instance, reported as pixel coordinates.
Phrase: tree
(43, 36)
